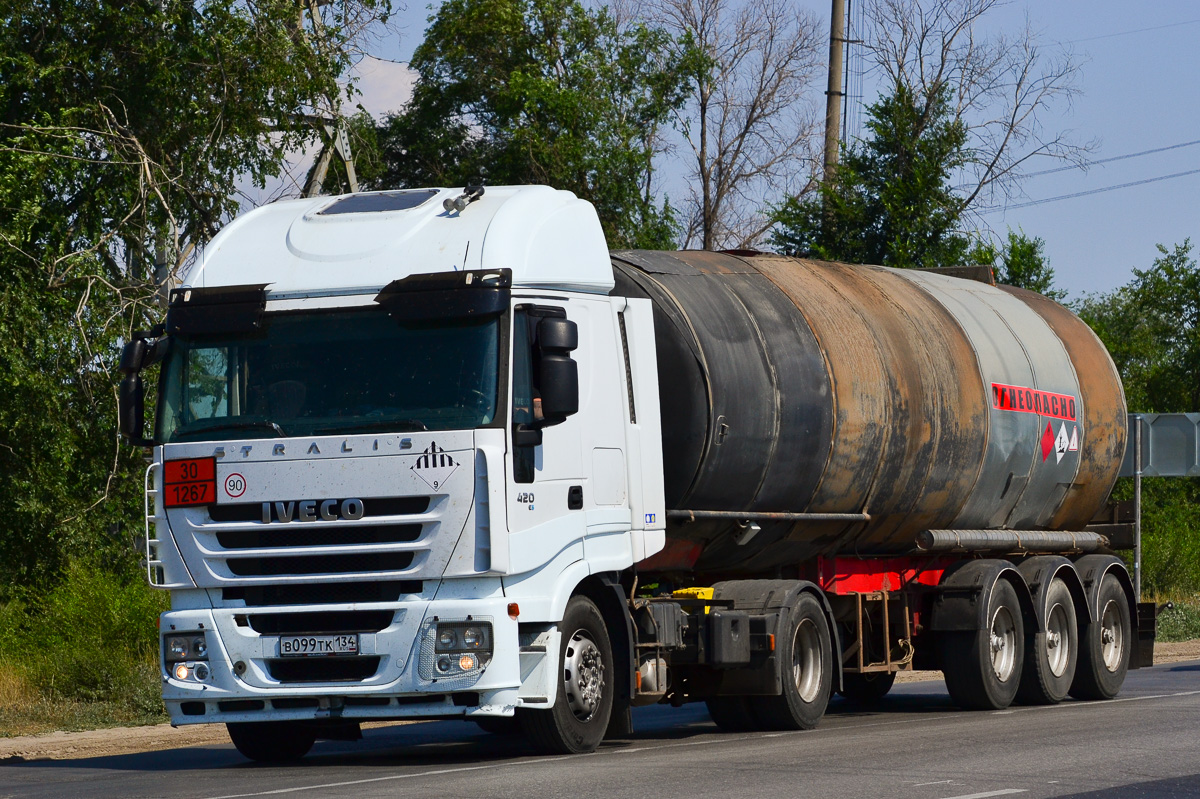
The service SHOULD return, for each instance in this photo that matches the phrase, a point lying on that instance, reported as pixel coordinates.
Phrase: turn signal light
(514, 610)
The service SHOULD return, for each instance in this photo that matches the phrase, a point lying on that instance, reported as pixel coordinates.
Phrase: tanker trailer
(925, 450)
(438, 453)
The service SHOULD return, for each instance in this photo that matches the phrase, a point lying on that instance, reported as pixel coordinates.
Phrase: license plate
(306, 645)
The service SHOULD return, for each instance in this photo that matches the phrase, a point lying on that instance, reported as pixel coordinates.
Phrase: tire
(867, 688)
(1051, 656)
(983, 668)
(806, 666)
(581, 711)
(272, 741)
(1107, 643)
(732, 713)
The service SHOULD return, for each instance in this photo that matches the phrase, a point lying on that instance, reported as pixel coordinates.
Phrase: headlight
(185, 646)
(457, 635)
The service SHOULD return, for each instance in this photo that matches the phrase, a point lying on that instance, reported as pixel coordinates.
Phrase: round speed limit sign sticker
(235, 485)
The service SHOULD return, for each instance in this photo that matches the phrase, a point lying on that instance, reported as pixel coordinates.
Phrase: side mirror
(131, 409)
(131, 396)
(558, 376)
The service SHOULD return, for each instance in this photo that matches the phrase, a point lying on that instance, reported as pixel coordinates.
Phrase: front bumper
(245, 681)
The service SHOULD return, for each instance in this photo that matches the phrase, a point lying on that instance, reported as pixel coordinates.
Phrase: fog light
(443, 663)
(466, 662)
(181, 671)
(201, 671)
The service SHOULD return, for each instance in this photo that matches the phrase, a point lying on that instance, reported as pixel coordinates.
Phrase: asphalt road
(916, 745)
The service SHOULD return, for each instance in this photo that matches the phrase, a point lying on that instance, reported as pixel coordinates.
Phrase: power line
(1114, 158)
(1031, 203)
(1127, 33)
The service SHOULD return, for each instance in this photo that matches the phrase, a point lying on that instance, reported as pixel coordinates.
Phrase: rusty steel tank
(915, 399)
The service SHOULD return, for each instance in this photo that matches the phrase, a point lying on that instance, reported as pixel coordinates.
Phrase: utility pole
(833, 95)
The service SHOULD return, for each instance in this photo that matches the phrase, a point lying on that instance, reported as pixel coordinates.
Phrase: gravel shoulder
(131, 740)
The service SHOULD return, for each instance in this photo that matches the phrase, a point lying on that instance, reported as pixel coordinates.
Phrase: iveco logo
(309, 510)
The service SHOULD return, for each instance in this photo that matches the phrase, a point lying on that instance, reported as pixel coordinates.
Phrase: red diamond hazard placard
(1047, 442)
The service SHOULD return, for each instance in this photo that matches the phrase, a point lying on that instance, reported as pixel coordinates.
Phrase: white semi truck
(439, 453)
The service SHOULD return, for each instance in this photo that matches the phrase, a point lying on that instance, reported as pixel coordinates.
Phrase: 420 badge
(434, 466)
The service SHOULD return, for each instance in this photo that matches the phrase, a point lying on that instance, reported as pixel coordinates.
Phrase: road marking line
(939, 782)
(389, 778)
(721, 739)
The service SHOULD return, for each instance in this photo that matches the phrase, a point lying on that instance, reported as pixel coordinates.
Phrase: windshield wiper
(375, 425)
(244, 424)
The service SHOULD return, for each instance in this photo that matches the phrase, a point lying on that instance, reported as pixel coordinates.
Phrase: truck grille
(372, 507)
(318, 536)
(257, 596)
(359, 563)
(323, 669)
(316, 623)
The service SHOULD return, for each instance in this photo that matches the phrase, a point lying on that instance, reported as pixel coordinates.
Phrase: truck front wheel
(272, 741)
(581, 711)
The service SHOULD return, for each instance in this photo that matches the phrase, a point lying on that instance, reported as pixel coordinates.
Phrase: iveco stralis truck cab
(399, 437)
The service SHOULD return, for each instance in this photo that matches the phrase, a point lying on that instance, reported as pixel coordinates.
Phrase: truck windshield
(330, 373)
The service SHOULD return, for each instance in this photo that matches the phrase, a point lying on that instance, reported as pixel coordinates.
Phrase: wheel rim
(1003, 643)
(806, 660)
(583, 675)
(1058, 640)
(1112, 636)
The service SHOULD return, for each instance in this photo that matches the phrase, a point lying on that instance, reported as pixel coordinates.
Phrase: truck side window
(523, 394)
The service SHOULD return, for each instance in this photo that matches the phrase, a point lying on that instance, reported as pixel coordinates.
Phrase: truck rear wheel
(1104, 656)
(1051, 656)
(581, 711)
(272, 741)
(806, 666)
(983, 668)
(732, 713)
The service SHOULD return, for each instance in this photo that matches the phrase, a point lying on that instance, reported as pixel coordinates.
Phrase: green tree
(546, 92)
(1020, 261)
(892, 202)
(125, 129)
(1151, 327)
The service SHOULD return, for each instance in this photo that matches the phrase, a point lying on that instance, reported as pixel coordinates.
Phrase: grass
(1180, 623)
(81, 655)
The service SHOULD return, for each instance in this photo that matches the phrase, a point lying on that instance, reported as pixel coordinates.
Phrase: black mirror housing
(560, 387)
(131, 410)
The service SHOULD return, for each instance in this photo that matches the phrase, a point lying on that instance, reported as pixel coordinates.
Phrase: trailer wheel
(1050, 657)
(1104, 656)
(867, 688)
(983, 668)
(581, 711)
(272, 741)
(731, 713)
(806, 666)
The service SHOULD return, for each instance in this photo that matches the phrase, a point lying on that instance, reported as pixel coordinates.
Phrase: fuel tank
(922, 400)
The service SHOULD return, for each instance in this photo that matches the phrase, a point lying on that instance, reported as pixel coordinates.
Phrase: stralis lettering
(1030, 400)
(310, 510)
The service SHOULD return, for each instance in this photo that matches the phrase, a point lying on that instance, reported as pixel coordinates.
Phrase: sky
(1139, 90)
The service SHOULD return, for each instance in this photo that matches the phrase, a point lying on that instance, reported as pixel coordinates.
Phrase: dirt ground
(130, 740)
